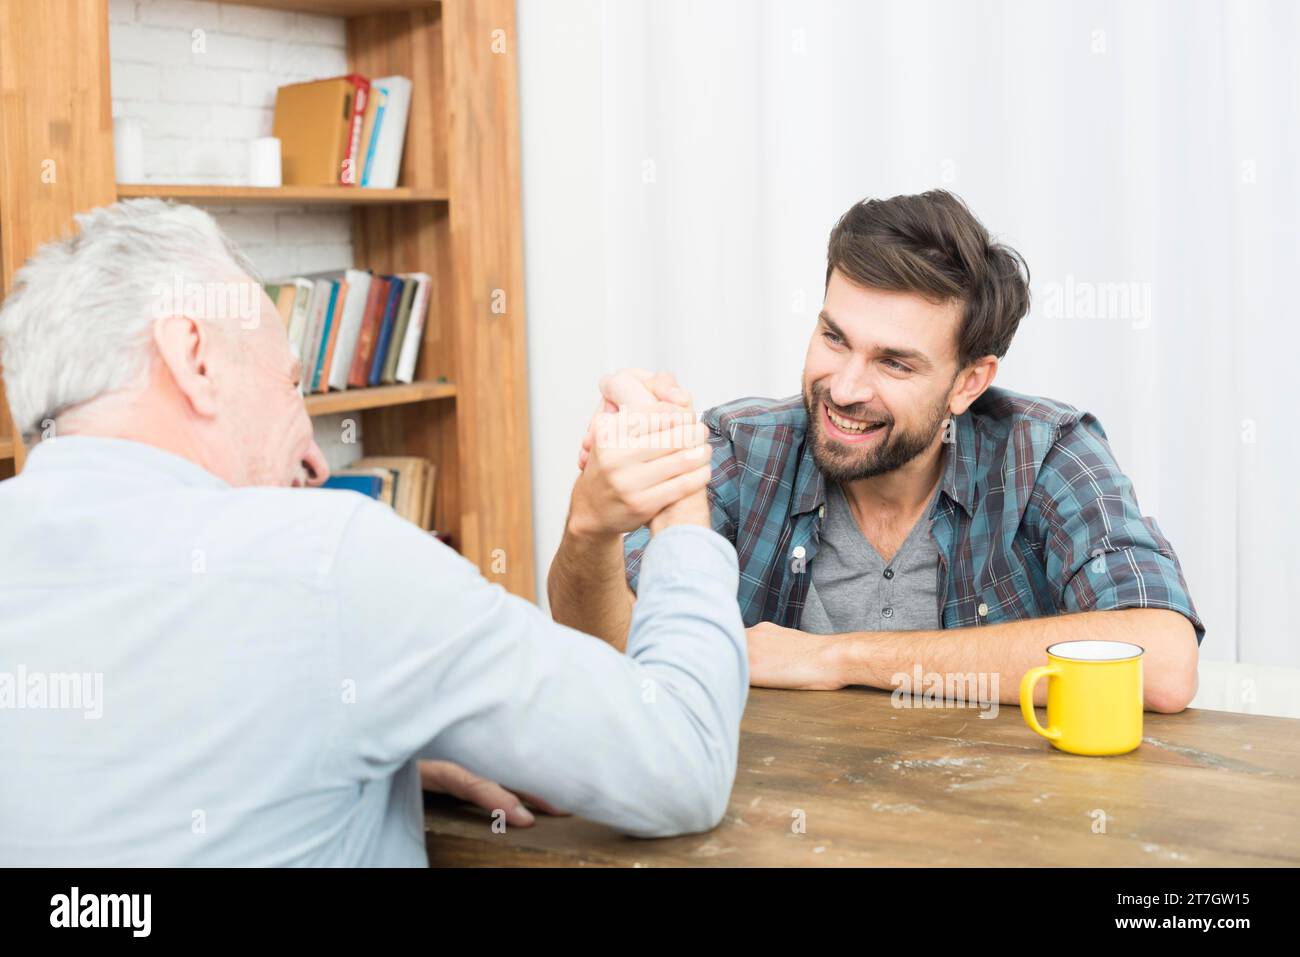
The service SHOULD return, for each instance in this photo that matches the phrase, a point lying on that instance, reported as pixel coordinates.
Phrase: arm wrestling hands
(645, 459)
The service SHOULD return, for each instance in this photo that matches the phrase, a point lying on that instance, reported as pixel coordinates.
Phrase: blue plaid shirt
(1034, 518)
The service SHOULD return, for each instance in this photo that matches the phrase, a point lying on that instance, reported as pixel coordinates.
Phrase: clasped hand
(645, 459)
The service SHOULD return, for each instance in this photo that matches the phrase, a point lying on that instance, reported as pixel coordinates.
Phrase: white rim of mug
(1138, 651)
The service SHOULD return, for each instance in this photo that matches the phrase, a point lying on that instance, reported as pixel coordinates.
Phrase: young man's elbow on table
(1170, 687)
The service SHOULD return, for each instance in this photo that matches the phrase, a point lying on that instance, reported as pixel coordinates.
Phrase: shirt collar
(809, 483)
(121, 457)
(959, 468)
(958, 481)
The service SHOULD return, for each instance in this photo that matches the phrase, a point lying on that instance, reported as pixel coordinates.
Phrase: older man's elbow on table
(689, 803)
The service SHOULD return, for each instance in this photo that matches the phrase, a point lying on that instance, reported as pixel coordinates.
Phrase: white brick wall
(201, 78)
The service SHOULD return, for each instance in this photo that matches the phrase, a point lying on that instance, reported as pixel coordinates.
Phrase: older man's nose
(315, 466)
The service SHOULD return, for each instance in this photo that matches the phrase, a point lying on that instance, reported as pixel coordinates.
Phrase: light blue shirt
(270, 662)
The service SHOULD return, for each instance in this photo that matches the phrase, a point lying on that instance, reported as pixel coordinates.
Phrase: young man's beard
(842, 463)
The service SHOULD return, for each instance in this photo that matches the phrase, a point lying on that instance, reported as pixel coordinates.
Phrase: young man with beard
(903, 511)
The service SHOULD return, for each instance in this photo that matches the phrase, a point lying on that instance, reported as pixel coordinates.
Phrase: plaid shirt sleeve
(723, 495)
(1101, 551)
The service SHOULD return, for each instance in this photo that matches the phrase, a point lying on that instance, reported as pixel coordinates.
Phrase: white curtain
(683, 163)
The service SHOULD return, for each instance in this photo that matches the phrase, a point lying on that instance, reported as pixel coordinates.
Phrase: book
(374, 111)
(313, 122)
(359, 372)
(301, 308)
(335, 323)
(377, 483)
(367, 485)
(298, 320)
(349, 170)
(389, 373)
(407, 474)
(318, 302)
(354, 306)
(329, 332)
(390, 132)
(283, 299)
(378, 100)
(431, 474)
(386, 329)
(414, 328)
(353, 328)
(413, 475)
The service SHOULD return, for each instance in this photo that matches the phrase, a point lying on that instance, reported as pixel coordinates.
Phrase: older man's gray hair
(77, 323)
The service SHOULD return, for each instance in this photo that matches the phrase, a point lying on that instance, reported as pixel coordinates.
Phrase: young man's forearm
(588, 589)
(648, 463)
(1012, 648)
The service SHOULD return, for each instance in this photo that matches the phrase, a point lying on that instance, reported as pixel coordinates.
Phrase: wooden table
(877, 785)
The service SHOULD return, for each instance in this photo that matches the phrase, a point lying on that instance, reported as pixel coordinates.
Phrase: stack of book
(353, 328)
(404, 482)
(347, 130)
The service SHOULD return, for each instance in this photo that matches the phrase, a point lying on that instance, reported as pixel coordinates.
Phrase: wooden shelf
(338, 8)
(352, 400)
(6, 447)
(200, 194)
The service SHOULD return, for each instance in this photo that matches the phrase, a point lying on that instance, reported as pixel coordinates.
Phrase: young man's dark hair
(931, 244)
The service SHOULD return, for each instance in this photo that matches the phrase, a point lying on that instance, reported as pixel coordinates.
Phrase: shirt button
(889, 573)
(799, 551)
(983, 610)
(821, 511)
(887, 612)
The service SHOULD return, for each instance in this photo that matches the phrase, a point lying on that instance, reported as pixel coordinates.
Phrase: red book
(359, 373)
(350, 172)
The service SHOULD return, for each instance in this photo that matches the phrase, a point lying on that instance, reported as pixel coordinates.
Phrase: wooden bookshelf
(201, 195)
(455, 214)
(378, 397)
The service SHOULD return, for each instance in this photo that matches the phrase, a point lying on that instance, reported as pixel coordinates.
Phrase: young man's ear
(185, 351)
(971, 383)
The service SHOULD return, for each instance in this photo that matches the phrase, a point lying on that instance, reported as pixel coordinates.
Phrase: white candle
(128, 150)
(264, 162)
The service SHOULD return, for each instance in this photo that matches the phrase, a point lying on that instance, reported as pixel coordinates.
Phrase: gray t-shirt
(852, 587)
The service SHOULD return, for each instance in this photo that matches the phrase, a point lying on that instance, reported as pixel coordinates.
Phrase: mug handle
(1027, 684)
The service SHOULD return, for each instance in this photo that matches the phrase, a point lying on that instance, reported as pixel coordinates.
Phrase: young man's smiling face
(879, 378)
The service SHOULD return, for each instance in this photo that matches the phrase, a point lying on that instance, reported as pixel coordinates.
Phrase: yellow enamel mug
(1094, 696)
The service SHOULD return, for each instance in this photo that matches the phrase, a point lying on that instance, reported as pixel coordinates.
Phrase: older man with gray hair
(265, 663)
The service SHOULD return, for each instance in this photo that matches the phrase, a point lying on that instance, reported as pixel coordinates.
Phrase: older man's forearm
(1012, 648)
(587, 587)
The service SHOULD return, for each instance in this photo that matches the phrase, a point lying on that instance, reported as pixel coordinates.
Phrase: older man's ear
(187, 349)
